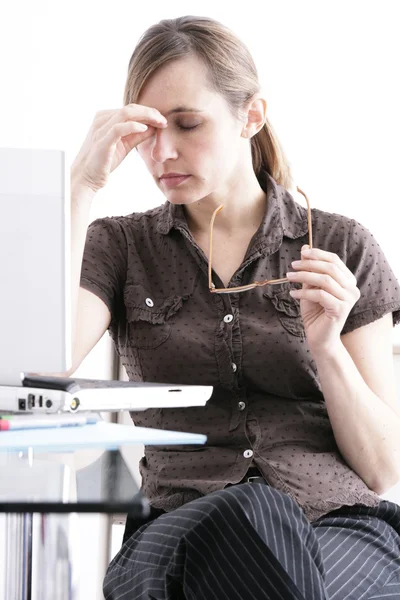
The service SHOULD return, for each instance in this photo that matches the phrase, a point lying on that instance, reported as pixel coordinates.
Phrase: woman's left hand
(328, 294)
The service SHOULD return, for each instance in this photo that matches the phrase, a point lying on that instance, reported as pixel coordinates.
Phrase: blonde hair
(231, 72)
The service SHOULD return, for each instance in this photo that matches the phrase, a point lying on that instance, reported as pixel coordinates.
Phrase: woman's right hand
(112, 135)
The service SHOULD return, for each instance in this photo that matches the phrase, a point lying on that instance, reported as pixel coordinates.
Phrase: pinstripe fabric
(251, 541)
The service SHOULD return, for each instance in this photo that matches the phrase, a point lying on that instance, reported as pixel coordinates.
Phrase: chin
(184, 194)
(175, 200)
(183, 197)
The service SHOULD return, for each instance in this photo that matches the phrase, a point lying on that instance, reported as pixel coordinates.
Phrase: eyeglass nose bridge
(214, 290)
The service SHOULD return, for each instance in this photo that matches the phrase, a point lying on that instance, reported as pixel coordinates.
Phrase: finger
(325, 299)
(131, 134)
(102, 117)
(324, 282)
(134, 139)
(318, 254)
(334, 269)
(131, 112)
(128, 110)
(330, 258)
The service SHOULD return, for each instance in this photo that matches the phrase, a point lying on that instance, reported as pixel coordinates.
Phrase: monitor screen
(35, 331)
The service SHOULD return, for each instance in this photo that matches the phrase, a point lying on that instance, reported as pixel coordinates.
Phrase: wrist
(326, 352)
(79, 188)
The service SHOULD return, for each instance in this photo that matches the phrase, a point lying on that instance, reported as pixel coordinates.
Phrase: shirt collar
(283, 217)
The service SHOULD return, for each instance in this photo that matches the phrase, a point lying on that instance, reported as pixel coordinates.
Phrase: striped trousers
(253, 542)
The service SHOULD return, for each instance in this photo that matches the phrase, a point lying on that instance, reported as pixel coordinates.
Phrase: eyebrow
(180, 109)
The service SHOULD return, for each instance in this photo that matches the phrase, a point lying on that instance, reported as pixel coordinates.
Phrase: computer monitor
(35, 298)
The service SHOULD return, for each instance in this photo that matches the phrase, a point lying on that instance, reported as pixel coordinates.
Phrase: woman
(283, 500)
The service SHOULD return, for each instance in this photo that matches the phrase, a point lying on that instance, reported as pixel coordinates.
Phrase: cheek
(218, 155)
(210, 149)
(198, 152)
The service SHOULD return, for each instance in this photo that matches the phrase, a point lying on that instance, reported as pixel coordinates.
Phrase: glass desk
(40, 495)
(31, 483)
(43, 487)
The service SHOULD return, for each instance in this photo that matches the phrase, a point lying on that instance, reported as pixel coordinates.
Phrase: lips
(173, 180)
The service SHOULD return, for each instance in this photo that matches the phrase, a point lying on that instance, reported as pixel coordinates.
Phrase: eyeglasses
(250, 286)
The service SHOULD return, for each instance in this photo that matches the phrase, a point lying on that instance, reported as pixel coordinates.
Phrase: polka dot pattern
(251, 347)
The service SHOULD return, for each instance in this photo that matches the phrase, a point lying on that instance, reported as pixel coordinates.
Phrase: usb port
(40, 401)
(31, 401)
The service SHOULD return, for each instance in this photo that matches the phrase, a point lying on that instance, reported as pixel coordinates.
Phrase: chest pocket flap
(149, 316)
(287, 307)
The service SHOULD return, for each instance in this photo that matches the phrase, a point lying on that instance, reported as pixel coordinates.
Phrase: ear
(254, 116)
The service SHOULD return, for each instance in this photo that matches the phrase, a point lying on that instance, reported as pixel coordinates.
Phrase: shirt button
(149, 302)
(228, 318)
(234, 367)
(248, 453)
(241, 405)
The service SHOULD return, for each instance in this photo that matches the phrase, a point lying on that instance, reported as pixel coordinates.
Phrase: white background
(329, 71)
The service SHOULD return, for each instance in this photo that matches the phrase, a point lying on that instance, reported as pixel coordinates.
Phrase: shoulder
(124, 228)
(325, 219)
(340, 233)
(331, 231)
(148, 217)
(354, 243)
(359, 249)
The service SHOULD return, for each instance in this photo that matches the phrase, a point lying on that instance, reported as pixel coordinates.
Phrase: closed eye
(186, 128)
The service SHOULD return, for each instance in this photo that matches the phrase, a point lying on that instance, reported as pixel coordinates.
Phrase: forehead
(180, 82)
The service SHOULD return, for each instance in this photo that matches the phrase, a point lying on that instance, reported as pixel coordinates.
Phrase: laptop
(35, 300)
(34, 263)
(43, 394)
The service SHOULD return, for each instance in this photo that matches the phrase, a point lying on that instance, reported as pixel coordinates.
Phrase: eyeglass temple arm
(310, 238)
(217, 210)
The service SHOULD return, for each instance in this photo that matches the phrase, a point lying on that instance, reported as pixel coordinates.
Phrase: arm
(90, 316)
(81, 202)
(112, 135)
(358, 384)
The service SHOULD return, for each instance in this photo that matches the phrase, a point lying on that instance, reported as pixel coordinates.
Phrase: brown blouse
(267, 408)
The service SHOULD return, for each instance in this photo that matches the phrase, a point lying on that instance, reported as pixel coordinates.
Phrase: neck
(243, 211)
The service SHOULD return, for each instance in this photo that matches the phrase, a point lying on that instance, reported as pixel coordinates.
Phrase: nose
(163, 146)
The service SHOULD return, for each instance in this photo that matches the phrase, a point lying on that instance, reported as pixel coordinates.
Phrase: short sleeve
(104, 262)
(380, 290)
